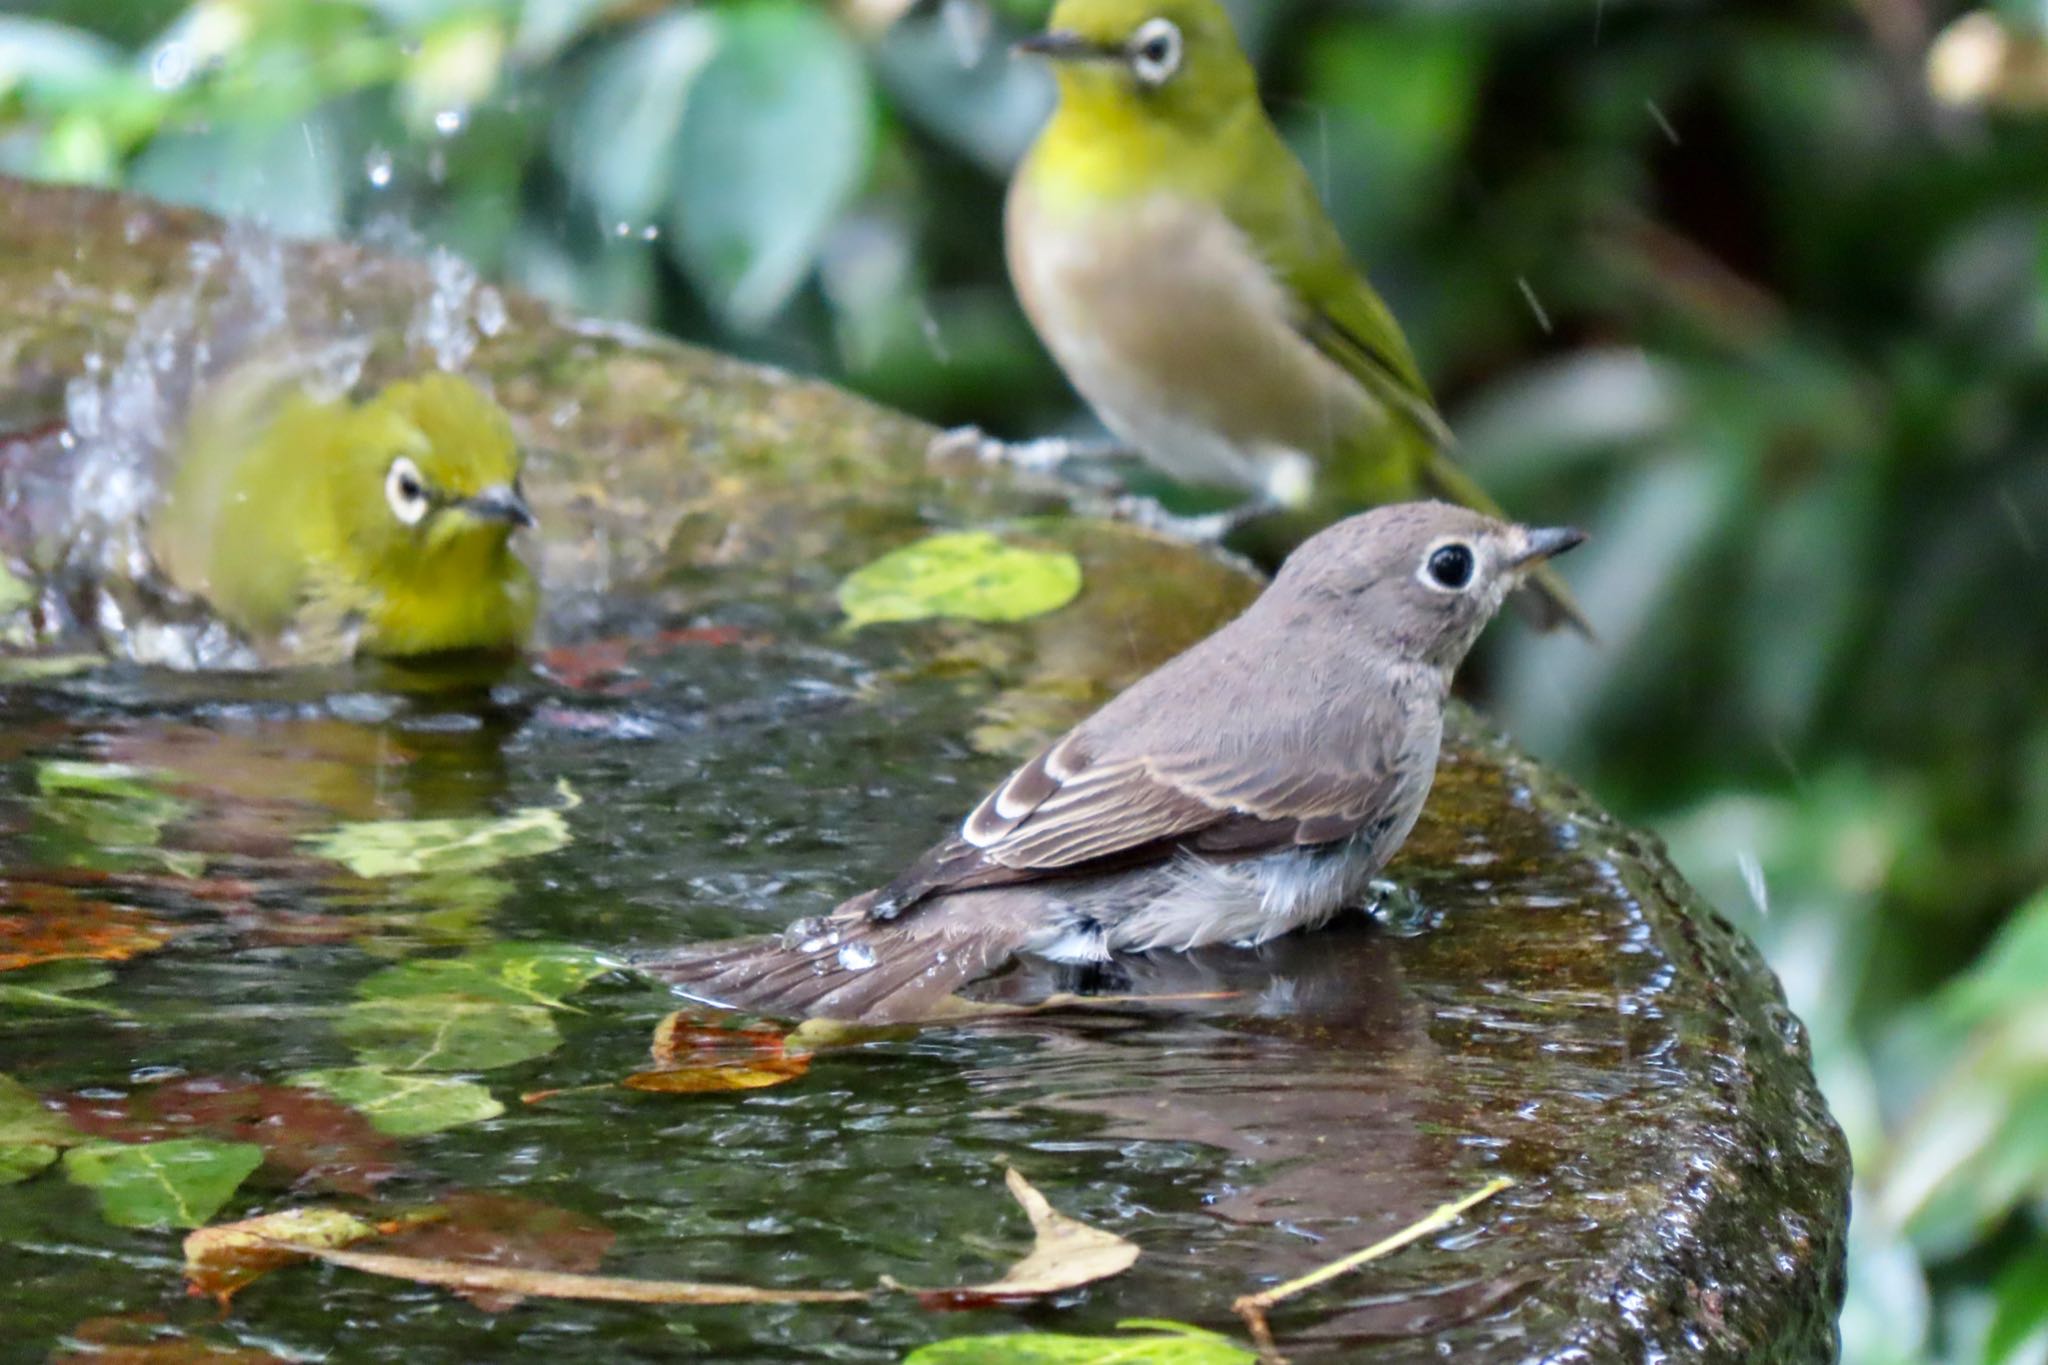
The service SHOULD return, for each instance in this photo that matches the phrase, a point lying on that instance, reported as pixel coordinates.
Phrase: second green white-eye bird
(320, 529)
(1177, 262)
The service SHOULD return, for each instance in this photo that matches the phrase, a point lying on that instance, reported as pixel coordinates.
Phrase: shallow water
(1552, 1005)
(738, 779)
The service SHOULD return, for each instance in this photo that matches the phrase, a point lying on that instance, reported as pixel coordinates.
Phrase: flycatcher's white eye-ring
(1156, 51)
(406, 491)
(1450, 566)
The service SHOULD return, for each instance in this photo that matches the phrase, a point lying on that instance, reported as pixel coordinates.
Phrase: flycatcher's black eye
(1450, 566)
(1155, 51)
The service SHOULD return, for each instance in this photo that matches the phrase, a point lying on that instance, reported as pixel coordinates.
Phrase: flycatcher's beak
(1547, 542)
(498, 503)
(1064, 45)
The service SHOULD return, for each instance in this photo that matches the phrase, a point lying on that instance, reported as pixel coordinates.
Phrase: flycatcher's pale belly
(1183, 342)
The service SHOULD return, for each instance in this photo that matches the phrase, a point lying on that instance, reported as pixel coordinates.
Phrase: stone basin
(1556, 1006)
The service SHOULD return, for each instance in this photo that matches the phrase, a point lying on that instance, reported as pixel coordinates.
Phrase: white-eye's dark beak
(1064, 45)
(499, 503)
(1547, 542)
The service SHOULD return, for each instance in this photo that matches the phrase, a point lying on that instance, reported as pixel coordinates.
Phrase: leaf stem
(1252, 1307)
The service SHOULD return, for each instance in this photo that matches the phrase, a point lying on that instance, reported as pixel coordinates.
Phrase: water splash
(458, 310)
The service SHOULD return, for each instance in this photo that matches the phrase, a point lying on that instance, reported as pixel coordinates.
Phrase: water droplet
(856, 957)
(490, 311)
(650, 233)
(448, 122)
(170, 66)
(811, 945)
(622, 229)
(377, 166)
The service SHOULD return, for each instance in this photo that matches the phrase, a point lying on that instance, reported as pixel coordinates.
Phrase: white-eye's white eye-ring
(406, 491)
(1449, 567)
(1155, 51)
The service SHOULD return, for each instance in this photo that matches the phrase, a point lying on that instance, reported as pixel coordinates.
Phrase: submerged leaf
(694, 1055)
(110, 816)
(52, 987)
(221, 1260)
(302, 1134)
(1065, 1254)
(717, 1075)
(146, 1339)
(968, 574)
(507, 1233)
(505, 973)
(403, 848)
(180, 1183)
(41, 923)
(1161, 1343)
(30, 1134)
(404, 1106)
(446, 1033)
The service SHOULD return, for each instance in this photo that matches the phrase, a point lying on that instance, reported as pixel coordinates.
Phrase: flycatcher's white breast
(1162, 315)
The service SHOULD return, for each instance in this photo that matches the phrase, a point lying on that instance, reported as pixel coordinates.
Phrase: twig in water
(1252, 1307)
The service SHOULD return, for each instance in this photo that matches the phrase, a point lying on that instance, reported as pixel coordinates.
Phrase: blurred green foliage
(1721, 280)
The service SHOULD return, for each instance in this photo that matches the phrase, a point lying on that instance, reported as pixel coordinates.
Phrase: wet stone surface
(1553, 1004)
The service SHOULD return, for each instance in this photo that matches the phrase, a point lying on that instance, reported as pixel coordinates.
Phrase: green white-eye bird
(321, 529)
(1174, 257)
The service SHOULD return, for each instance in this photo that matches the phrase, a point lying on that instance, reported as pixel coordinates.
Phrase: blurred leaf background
(1755, 289)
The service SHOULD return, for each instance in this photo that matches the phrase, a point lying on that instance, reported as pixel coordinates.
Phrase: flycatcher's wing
(1069, 811)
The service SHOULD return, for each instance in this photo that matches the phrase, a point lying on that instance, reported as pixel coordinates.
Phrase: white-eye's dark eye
(1450, 567)
(1156, 51)
(406, 491)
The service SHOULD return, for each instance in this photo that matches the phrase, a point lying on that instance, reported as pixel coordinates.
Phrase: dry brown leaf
(468, 1278)
(710, 1078)
(504, 1232)
(698, 1054)
(220, 1260)
(44, 923)
(1066, 1254)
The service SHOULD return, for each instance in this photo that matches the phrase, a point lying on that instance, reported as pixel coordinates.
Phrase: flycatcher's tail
(845, 966)
(1544, 598)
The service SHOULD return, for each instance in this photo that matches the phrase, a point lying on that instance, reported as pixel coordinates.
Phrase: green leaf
(30, 1134)
(400, 848)
(483, 1009)
(774, 141)
(404, 1106)
(118, 812)
(1163, 1343)
(614, 143)
(504, 973)
(2019, 1327)
(52, 985)
(20, 1160)
(181, 1183)
(55, 61)
(446, 1033)
(967, 574)
(2009, 972)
